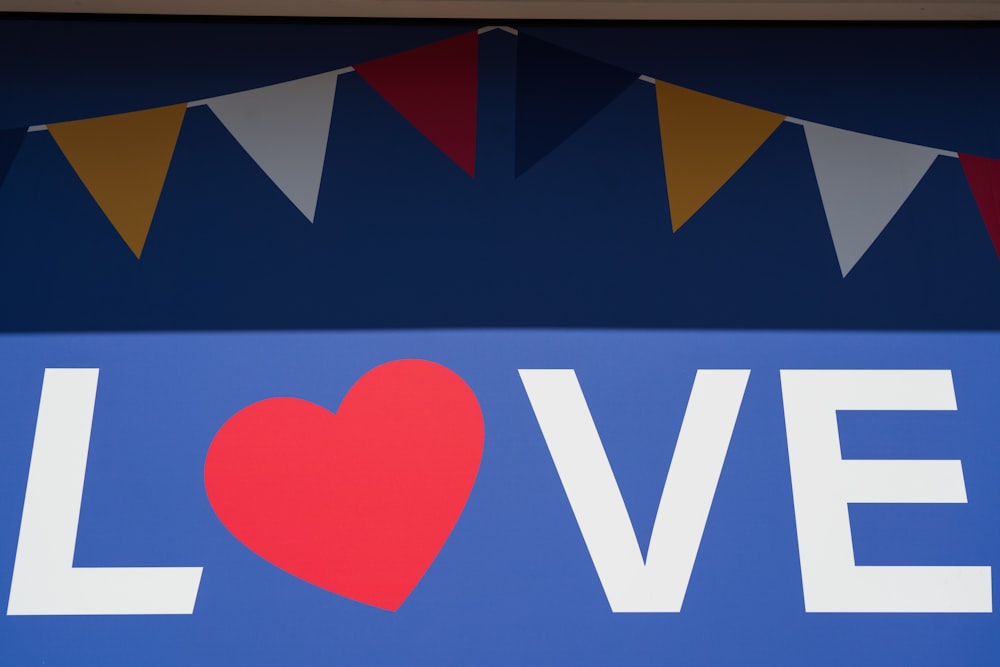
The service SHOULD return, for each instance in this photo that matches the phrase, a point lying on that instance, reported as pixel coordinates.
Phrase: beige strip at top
(727, 10)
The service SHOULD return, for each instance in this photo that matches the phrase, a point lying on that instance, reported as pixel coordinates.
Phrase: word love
(330, 472)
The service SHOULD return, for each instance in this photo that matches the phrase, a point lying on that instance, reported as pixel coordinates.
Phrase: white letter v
(659, 583)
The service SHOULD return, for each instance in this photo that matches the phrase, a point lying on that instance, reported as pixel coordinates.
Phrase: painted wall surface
(206, 311)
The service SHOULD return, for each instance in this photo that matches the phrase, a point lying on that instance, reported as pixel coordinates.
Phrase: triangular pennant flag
(10, 142)
(983, 174)
(558, 91)
(705, 141)
(123, 161)
(863, 180)
(284, 128)
(435, 88)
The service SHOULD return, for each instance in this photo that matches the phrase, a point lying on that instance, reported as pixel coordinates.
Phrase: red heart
(358, 502)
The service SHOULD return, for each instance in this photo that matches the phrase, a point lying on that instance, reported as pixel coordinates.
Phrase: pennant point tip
(679, 219)
(136, 251)
(846, 264)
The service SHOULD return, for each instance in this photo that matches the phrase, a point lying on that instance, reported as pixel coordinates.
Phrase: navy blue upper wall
(403, 238)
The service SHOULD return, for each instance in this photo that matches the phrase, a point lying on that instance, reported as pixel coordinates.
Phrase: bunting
(863, 181)
(123, 161)
(10, 143)
(705, 140)
(435, 88)
(558, 91)
(983, 175)
(284, 128)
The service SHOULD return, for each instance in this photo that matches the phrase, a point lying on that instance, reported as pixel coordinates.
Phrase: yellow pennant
(705, 141)
(123, 161)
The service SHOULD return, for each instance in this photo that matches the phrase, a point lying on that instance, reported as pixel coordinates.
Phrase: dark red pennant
(435, 88)
(983, 174)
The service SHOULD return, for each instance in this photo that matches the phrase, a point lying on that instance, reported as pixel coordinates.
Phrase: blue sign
(638, 491)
